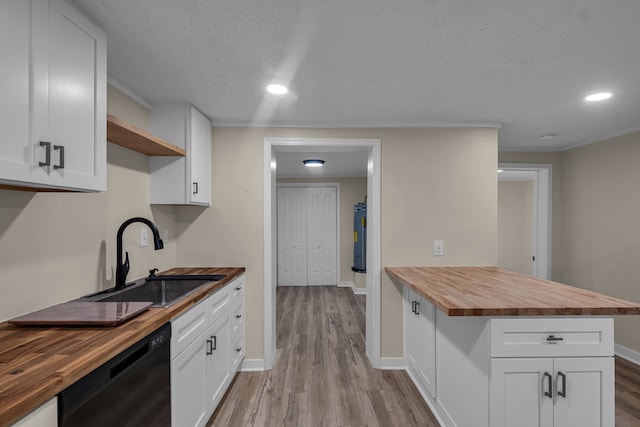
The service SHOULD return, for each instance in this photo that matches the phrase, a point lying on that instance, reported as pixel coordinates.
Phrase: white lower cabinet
(45, 416)
(554, 392)
(421, 339)
(204, 358)
(218, 360)
(520, 371)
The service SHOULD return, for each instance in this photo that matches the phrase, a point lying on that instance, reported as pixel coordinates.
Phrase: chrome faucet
(122, 269)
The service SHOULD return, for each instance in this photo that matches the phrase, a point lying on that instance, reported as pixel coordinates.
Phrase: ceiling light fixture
(313, 163)
(600, 96)
(277, 89)
(500, 170)
(547, 137)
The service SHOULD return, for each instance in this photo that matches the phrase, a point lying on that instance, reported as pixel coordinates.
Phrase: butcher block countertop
(491, 291)
(37, 363)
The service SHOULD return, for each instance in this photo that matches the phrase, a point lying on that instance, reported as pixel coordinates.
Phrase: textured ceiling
(522, 65)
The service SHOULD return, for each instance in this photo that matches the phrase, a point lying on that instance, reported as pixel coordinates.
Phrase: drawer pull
(563, 393)
(239, 349)
(553, 339)
(549, 392)
(238, 316)
(209, 347)
(215, 343)
(239, 288)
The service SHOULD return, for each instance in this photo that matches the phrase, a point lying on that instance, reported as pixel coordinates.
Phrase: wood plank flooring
(321, 375)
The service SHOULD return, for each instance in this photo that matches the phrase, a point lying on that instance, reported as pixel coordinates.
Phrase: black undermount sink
(162, 291)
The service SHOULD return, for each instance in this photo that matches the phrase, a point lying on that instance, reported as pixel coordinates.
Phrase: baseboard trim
(628, 354)
(393, 363)
(252, 365)
(357, 291)
(427, 398)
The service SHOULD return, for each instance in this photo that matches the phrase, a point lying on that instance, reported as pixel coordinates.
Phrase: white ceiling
(522, 65)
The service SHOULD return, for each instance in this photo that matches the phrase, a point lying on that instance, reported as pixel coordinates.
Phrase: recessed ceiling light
(277, 89)
(600, 96)
(547, 137)
(313, 163)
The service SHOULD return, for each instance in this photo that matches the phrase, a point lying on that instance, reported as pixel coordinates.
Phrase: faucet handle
(152, 272)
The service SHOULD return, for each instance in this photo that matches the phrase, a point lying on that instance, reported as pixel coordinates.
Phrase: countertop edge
(56, 380)
(624, 307)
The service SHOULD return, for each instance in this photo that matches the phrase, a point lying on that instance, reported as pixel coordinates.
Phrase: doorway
(272, 145)
(308, 229)
(535, 184)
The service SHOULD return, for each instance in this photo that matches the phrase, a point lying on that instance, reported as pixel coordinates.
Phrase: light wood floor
(321, 376)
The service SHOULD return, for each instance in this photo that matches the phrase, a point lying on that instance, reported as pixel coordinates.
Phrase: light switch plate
(438, 247)
(144, 237)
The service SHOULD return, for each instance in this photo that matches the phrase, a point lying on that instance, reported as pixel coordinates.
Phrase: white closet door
(329, 236)
(314, 234)
(321, 234)
(292, 236)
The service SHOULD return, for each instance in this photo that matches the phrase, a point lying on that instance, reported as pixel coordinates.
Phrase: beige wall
(515, 226)
(59, 246)
(352, 191)
(436, 184)
(602, 224)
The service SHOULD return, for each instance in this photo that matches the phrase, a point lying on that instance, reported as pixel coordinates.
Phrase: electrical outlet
(144, 237)
(438, 247)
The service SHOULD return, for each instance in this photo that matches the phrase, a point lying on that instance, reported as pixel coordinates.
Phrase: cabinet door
(75, 120)
(517, 392)
(189, 385)
(427, 338)
(413, 332)
(218, 361)
(199, 159)
(16, 153)
(584, 392)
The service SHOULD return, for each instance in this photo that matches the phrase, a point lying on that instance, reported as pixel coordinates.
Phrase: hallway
(321, 375)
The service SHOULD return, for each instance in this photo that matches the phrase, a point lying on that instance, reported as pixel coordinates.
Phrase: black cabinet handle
(60, 164)
(563, 393)
(215, 343)
(417, 307)
(551, 339)
(239, 288)
(47, 153)
(209, 347)
(238, 316)
(413, 306)
(549, 392)
(239, 349)
(195, 188)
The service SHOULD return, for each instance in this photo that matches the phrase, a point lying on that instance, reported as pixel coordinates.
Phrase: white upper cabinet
(181, 180)
(53, 108)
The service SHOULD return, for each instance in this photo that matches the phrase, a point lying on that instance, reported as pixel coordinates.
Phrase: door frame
(542, 195)
(373, 238)
(335, 185)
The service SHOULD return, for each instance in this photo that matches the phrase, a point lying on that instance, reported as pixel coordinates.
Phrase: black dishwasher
(132, 389)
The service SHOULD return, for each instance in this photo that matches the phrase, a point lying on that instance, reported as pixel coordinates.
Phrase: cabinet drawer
(551, 337)
(237, 319)
(237, 350)
(187, 327)
(237, 288)
(218, 303)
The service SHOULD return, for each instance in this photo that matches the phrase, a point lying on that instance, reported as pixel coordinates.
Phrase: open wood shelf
(128, 136)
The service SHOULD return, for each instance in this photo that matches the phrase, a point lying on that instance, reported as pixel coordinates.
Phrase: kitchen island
(489, 347)
(37, 363)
